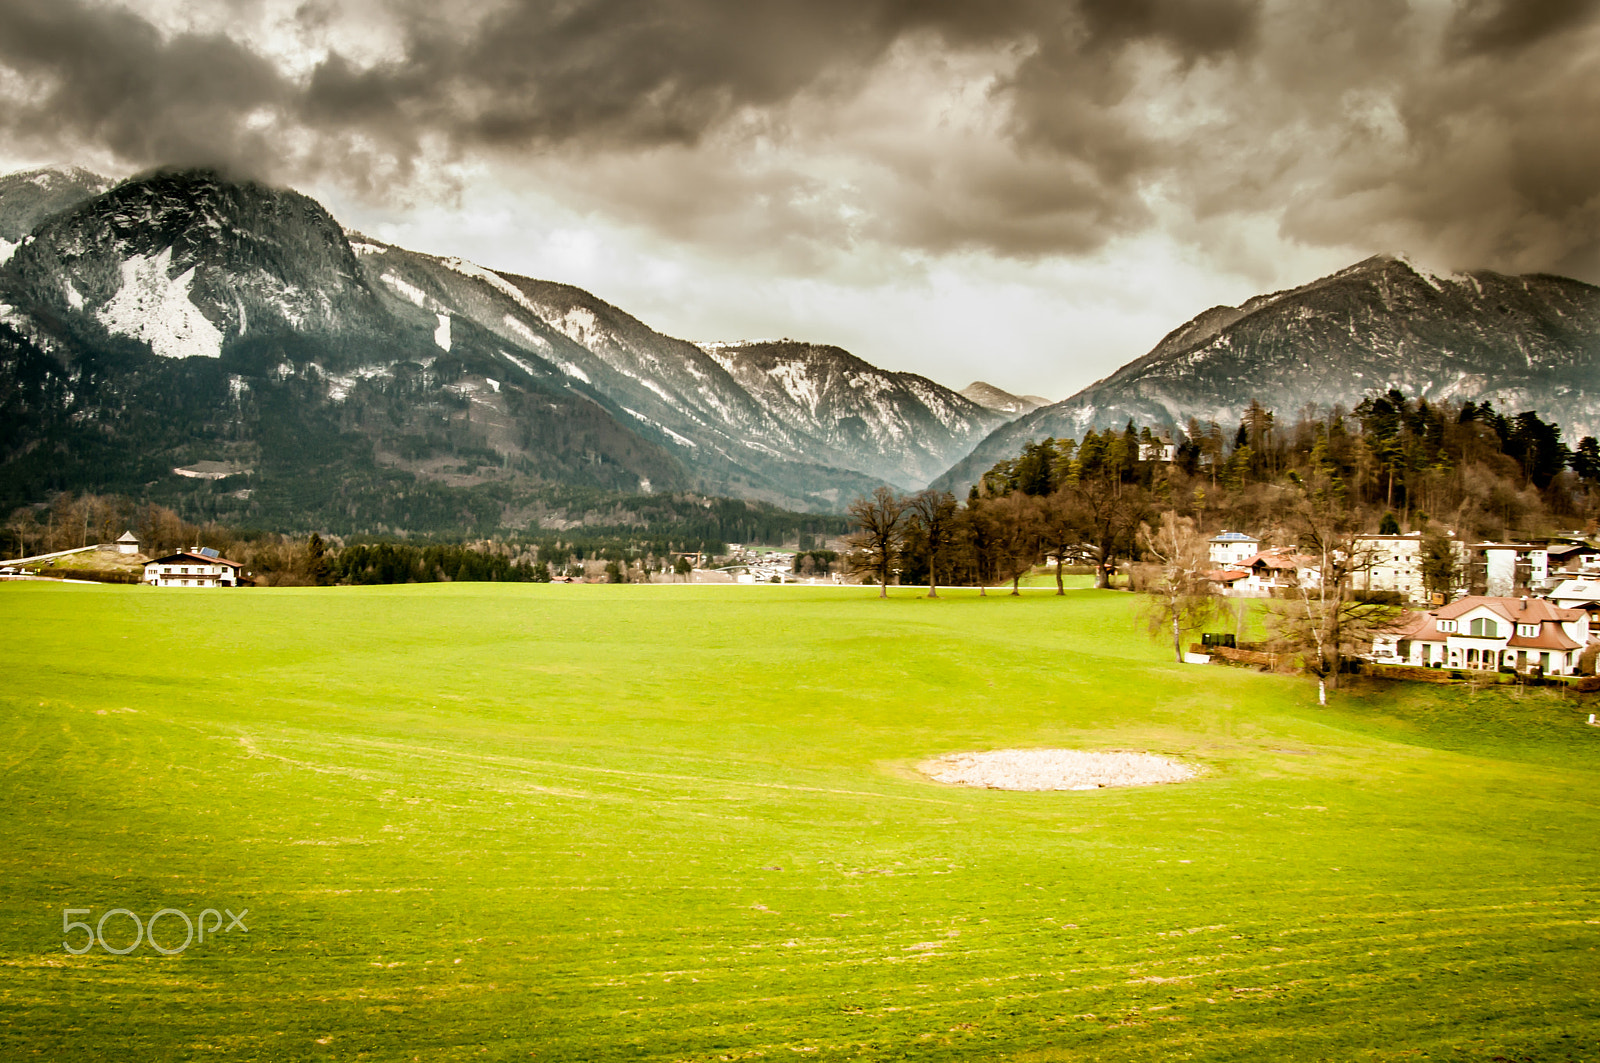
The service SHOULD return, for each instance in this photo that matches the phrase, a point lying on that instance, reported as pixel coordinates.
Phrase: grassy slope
(682, 823)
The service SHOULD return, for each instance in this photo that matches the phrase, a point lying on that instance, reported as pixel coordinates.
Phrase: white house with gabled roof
(201, 567)
(1489, 634)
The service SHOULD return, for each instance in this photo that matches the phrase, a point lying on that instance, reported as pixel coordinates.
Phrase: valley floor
(475, 821)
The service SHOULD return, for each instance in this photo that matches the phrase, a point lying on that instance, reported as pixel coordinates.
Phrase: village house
(1489, 634)
(128, 544)
(1158, 450)
(1266, 574)
(1276, 570)
(1229, 549)
(1231, 582)
(1504, 569)
(201, 567)
(1394, 563)
(1579, 594)
(1572, 557)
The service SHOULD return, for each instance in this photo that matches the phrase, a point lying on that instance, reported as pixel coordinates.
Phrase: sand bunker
(1054, 769)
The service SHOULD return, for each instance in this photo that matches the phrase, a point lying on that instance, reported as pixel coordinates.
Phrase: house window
(1528, 630)
(1448, 626)
(1485, 628)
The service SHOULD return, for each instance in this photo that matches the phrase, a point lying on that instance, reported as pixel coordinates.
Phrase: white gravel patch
(1054, 769)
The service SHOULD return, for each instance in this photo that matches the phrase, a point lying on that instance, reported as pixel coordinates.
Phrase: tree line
(71, 521)
(1315, 485)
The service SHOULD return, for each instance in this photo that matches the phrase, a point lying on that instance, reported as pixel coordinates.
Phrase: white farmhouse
(1229, 548)
(1489, 634)
(202, 567)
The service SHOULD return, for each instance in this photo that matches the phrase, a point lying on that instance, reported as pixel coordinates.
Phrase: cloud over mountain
(1464, 131)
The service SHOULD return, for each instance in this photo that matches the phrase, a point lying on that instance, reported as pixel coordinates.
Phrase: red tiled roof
(1516, 610)
(1226, 575)
(1550, 637)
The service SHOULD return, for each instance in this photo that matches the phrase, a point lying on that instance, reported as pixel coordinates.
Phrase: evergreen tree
(317, 571)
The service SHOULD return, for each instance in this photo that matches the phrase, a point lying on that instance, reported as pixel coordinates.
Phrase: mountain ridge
(427, 367)
(1522, 343)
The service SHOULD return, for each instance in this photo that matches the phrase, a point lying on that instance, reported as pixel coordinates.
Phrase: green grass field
(476, 821)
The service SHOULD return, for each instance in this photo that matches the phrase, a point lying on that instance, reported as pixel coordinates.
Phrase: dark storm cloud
(1473, 131)
(619, 71)
(1506, 25)
(108, 78)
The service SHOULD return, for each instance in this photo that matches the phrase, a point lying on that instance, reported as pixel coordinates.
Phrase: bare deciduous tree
(1181, 599)
(935, 513)
(1015, 520)
(1321, 620)
(875, 545)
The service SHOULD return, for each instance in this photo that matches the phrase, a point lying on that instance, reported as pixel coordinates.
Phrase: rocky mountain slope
(1523, 343)
(992, 398)
(180, 317)
(29, 197)
(898, 427)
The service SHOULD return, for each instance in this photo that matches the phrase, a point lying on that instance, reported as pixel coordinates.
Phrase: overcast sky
(1030, 192)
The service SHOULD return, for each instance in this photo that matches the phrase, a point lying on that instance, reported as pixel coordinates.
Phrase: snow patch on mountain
(441, 335)
(7, 249)
(718, 345)
(405, 289)
(495, 281)
(682, 441)
(1432, 278)
(155, 308)
(797, 383)
(658, 389)
(526, 334)
(526, 367)
(579, 323)
(572, 370)
(942, 411)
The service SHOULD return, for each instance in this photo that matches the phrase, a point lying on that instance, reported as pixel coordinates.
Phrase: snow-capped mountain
(246, 314)
(783, 428)
(1524, 343)
(898, 427)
